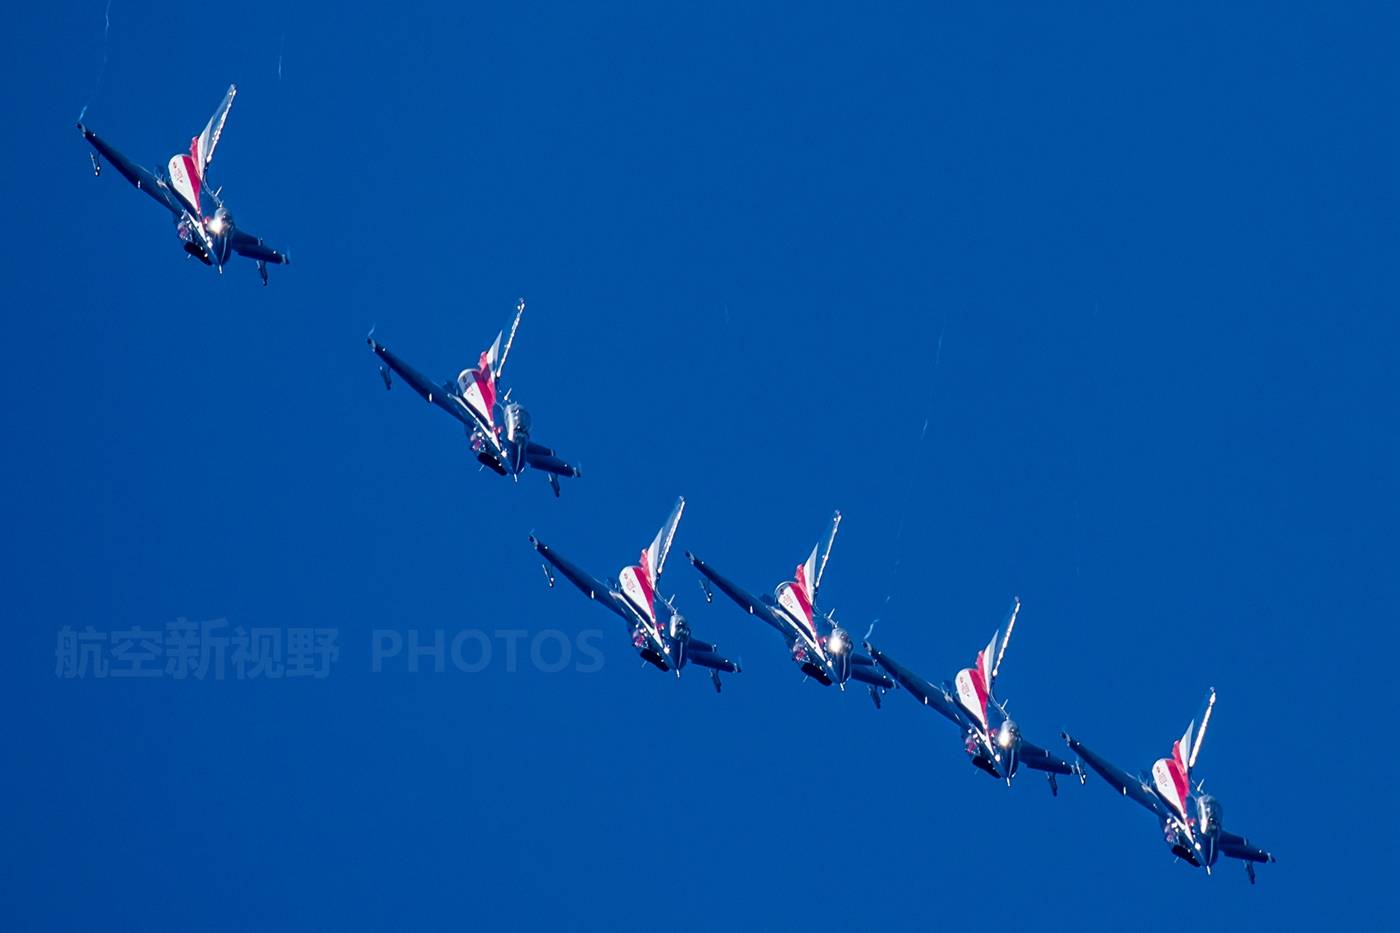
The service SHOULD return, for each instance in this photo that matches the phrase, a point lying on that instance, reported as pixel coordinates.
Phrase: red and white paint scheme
(974, 684)
(187, 169)
(476, 388)
(638, 582)
(187, 180)
(797, 598)
(1172, 776)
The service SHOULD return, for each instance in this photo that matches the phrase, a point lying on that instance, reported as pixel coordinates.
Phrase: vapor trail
(909, 487)
(102, 70)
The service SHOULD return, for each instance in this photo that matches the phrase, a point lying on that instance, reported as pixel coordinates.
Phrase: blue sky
(1156, 247)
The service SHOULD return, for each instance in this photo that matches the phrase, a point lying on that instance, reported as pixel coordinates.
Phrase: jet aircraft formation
(498, 430)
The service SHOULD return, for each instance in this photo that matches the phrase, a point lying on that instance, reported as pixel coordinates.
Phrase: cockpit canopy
(1209, 814)
(221, 223)
(517, 421)
(1008, 734)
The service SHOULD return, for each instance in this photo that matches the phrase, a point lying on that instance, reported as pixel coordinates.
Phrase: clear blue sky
(1159, 248)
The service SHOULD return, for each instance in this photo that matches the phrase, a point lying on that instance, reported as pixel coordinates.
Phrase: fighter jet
(504, 448)
(818, 645)
(991, 738)
(213, 240)
(1191, 819)
(665, 645)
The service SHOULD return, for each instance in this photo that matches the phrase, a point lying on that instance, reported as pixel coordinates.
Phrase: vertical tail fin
(1173, 775)
(661, 545)
(638, 581)
(477, 387)
(816, 563)
(974, 684)
(799, 595)
(1191, 744)
(499, 364)
(1005, 640)
(202, 146)
(187, 180)
(488, 363)
(187, 170)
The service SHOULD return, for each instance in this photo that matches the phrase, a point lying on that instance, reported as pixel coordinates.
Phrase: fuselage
(995, 749)
(647, 636)
(788, 604)
(211, 235)
(1194, 838)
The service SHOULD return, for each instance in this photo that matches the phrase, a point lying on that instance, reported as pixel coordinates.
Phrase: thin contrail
(102, 70)
(909, 489)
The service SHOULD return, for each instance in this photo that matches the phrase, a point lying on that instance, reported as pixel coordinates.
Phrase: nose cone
(223, 248)
(1007, 742)
(515, 453)
(841, 666)
(1209, 849)
(1009, 761)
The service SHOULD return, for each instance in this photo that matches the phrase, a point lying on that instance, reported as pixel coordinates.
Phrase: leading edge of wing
(1124, 783)
(139, 177)
(745, 600)
(588, 584)
(435, 394)
(926, 693)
